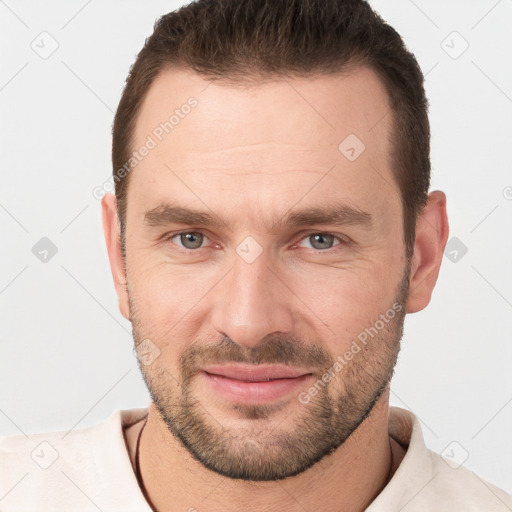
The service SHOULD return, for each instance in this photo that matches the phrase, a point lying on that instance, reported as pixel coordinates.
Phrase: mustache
(273, 349)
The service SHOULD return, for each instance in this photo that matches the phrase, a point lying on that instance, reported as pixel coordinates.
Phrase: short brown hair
(244, 41)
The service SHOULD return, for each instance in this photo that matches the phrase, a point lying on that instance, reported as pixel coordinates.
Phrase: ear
(111, 230)
(431, 237)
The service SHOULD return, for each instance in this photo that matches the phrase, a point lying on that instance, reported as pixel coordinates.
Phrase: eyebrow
(337, 214)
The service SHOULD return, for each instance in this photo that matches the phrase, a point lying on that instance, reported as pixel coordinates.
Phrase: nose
(252, 302)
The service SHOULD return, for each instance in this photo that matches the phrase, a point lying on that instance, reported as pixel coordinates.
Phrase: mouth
(253, 384)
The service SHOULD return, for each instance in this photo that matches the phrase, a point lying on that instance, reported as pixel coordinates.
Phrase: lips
(253, 384)
(255, 373)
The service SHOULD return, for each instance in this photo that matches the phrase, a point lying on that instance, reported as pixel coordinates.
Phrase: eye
(193, 240)
(322, 241)
(189, 240)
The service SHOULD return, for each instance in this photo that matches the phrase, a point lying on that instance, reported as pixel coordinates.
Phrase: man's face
(264, 288)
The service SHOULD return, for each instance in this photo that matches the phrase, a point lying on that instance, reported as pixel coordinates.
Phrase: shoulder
(456, 485)
(427, 481)
(55, 469)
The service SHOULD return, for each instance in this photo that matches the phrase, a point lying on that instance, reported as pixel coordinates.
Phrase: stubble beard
(263, 449)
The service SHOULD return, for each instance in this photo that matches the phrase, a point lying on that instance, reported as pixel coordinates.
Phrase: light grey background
(66, 356)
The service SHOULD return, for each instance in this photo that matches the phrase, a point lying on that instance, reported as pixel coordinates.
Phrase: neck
(349, 479)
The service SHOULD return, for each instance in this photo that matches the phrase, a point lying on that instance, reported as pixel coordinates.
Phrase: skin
(250, 155)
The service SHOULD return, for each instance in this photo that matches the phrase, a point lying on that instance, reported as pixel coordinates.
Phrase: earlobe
(111, 231)
(431, 237)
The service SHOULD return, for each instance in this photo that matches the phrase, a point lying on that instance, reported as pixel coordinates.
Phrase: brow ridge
(338, 214)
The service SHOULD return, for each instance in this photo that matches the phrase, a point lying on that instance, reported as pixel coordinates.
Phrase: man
(270, 230)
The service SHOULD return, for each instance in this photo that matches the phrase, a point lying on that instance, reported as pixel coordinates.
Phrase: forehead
(352, 102)
(279, 137)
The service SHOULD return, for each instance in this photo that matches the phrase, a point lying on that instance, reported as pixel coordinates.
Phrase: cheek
(162, 289)
(169, 302)
(346, 300)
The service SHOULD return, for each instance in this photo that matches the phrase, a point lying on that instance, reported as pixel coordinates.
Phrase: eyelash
(342, 240)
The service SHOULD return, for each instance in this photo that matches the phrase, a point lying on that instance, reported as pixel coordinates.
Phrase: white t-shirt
(89, 469)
